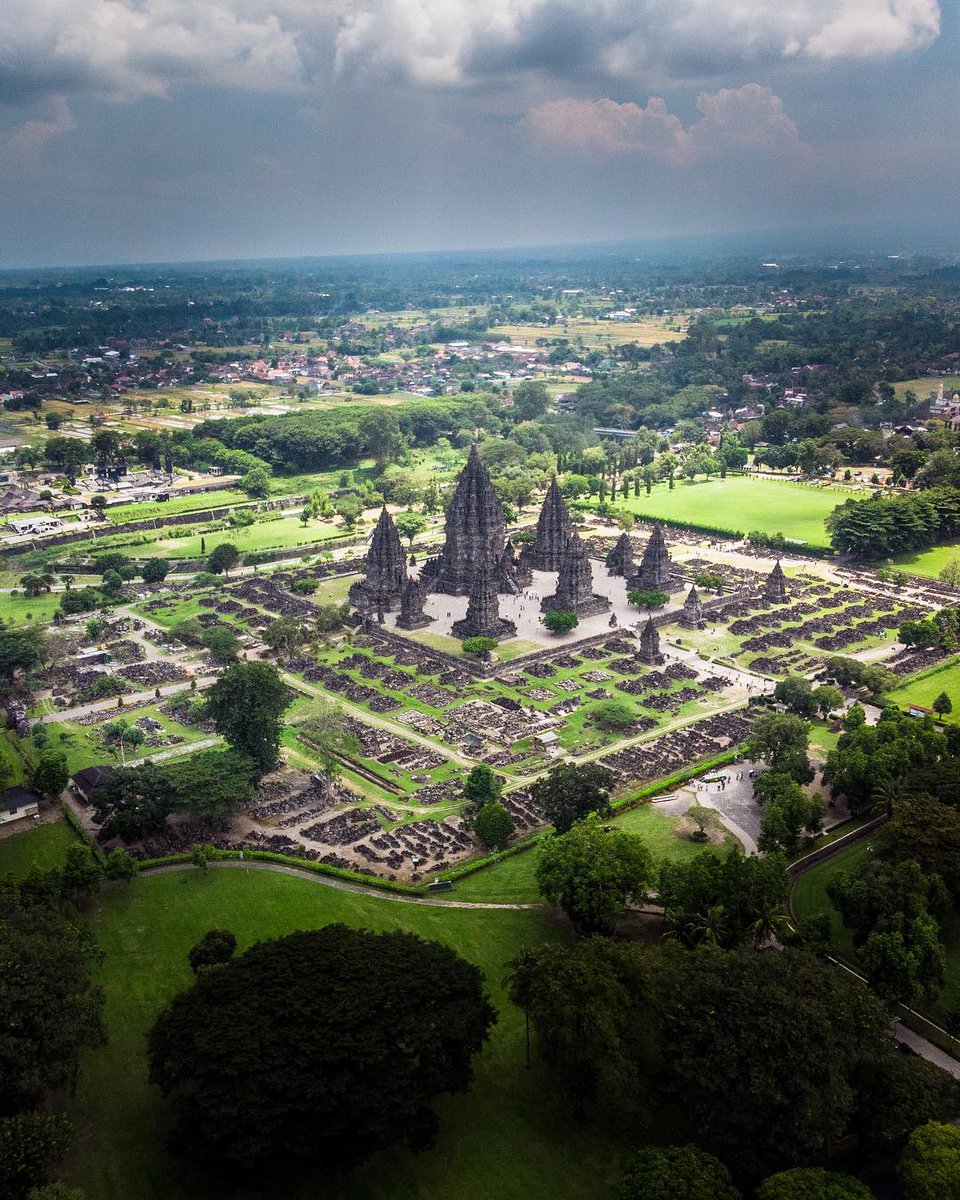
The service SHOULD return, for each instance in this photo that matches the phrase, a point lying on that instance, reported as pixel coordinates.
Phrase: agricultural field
(595, 334)
(742, 503)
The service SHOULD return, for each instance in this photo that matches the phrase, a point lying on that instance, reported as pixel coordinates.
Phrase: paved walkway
(924, 1048)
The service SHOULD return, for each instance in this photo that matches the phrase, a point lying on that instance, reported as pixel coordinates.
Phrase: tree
(30, 1143)
(133, 803)
(155, 570)
(329, 733)
(223, 643)
(50, 776)
(828, 699)
(81, 873)
(223, 558)
(704, 818)
(560, 622)
(246, 704)
(493, 825)
(647, 597)
(351, 1076)
(348, 508)
(896, 1093)
(482, 786)
(613, 714)
(676, 1173)
(409, 524)
(592, 874)
(216, 947)
(21, 649)
(812, 1183)
(286, 634)
(120, 865)
(380, 436)
(256, 483)
(49, 1008)
(788, 813)
(530, 400)
(930, 1166)
(943, 705)
(796, 693)
(780, 740)
(569, 792)
(57, 1191)
(480, 646)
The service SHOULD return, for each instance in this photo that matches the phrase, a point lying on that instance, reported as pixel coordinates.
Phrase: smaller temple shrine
(483, 611)
(692, 615)
(619, 560)
(775, 588)
(654, 569)
(412, 599)
(554, 529)
(386, 570)
(575, 584)
(650, 644)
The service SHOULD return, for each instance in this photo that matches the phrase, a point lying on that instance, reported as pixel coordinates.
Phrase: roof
(91, 778)
(19, 797)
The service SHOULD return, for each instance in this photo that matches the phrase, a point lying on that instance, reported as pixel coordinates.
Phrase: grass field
(45, 845)
(744, 503)
(22, 610)
(930, 563)
(926, 689)
(595, 334)
(509, 1137)
(922, 388)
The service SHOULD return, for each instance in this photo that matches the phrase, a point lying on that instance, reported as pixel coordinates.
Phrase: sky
(173, 130)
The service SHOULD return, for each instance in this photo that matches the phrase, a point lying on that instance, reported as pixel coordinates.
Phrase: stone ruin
(483, 611)
(775, 588)
(650, 644)
(386, 570)
(412, 600)
(619, 560)
(692, 615)
(575, 584)
(554, 530)
(654, 569)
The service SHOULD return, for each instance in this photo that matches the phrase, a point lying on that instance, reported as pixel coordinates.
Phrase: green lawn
(512, 881)
(44, 845)
(22, 610)
(745, 503)
(509, 1137)
(928, 687)
(930, 563)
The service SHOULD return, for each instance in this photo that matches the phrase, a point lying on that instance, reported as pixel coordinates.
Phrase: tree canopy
(246, 705)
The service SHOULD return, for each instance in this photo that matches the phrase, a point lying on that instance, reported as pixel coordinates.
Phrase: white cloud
(28, 139)
(749, 120)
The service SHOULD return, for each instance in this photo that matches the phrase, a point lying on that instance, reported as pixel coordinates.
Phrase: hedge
(73, 821)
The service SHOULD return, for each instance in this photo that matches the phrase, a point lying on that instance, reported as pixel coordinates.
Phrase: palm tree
(520, 984)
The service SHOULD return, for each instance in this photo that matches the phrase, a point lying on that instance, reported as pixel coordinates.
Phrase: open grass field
(744, 503)
(509, 1137)
(926, 689)
(810, 898)
(595, 334)
(44, 845)
(22, 610)
(930, 563)
(922, 388)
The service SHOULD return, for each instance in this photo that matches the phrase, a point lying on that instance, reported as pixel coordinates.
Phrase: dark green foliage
(49, 1009)
(780, 740)
(613, 714)
(494, 826)
(885, 526)
(897, 1093)
(82, 874)
(22, 649)
(788, 813)
(812, 1183)
(592, 874)
(223, 643)
(796, 693)
(479, 645)
(85, 599)
(676, 1173)
(923, 829)
(223, 558)
(560, 622)
(29, 1143)
(155, 570)
(647, 597)
(725, 899)
(120, 865)
(50, 775)
(482, 786)
(57, 1191)
(133, 803)
(246, 705)
(930, 1166)
(568, 793)
(385, 1023)
(216, 947)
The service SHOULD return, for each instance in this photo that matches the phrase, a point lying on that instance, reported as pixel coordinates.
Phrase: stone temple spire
(483, 613)
(692, 615)
(554, 529)
(775, 588)
(386, 570)
(654, 569)
(412, 600)
(620, 558)
(650, 644)
(512, 574)
(575, 584)
(474, 530)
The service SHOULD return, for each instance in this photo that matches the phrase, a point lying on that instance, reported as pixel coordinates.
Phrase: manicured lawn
(744, 503)
(509, 1137)
(927, 688)
(930, 563)
(25, 610)
(512, 881)
(44, 845)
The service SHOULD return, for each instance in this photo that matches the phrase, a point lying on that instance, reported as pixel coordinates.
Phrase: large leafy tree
(329, 733)
(897, 1093)
(930, 1166)
(676, 1173)
(780, 740)
(591, 874)
(812, 1183)
(384, 1023)
(246, 705)
(568, 793)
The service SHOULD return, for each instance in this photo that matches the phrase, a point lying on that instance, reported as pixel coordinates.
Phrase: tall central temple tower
(474, 532)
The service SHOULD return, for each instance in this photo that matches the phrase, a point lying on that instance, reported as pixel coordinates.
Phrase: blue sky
(134, 130)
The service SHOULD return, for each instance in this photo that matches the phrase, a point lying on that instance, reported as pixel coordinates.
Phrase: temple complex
(775, 589)
(654, 569)
(474, 535)
(692, 615)
(620, 559)
(650, 644)
(483, 612)
(575, 584)
(554, 530)
(386, 573)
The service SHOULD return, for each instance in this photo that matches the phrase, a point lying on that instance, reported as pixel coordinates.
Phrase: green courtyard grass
(44, 845)
(509, 1137)
(926, 688)
(929, 563)
(744, 503)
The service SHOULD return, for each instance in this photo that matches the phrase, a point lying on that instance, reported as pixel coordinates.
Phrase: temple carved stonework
(775, 589)
(412, 600)
(650, 644)
(575, 584)
(386, 570)
(474, 533)
(483, 611)
(554, 530)
(692, 615)
(654, 570)
(620, 559)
